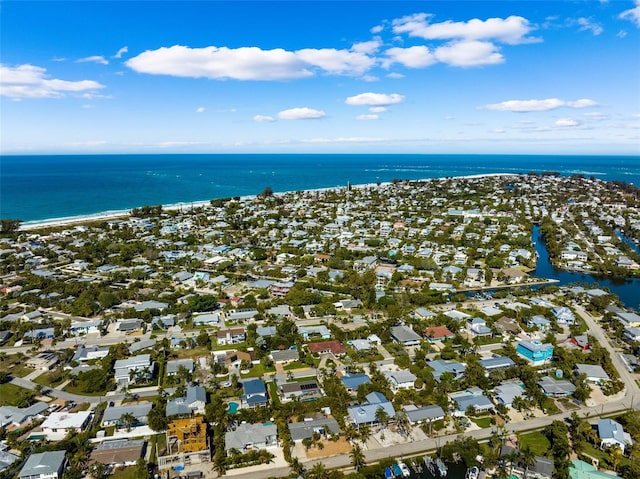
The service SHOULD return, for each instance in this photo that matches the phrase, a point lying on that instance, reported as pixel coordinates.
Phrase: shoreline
(116, 214)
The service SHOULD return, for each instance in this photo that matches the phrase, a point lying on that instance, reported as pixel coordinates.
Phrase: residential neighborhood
(330, 331)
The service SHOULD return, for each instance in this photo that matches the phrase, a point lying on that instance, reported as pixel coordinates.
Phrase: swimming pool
(233, 407)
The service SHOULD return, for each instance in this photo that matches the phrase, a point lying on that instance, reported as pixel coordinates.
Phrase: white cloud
(635, 115)
(596, 116)
(395, 76)
(263, 118)
(121, 52)
(586, 24)
(621, 34)
(369, 47)
(566, 122)
(539, 105)
(200, 109)
(356, 139)
(374, 99)
(370, 78)
(303, 113)
(94, 59)
(378, 109)
(511, 30)
(376, 29)
(633, 14)
(252, 63)
(367, 117)
(29, 81)
(469, 54)
(412, 57)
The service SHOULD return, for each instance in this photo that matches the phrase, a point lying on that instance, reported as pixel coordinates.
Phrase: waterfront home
(59, 424)
(563, 315)
(246, 437)
(254, 393)
(535, 352)
(366, 413)
(113, 415)
(405, 336)
(611, 433)
(44, 465)
(594, 373)
(632, 334)
(440, 367)
(306, 429)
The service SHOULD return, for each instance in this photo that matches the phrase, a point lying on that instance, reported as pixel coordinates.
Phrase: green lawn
(76, 390)
(45, 379)
(14, 365)
(483, 421)
(12, 395)
(273, 393)
(536, 441)
(125, 473)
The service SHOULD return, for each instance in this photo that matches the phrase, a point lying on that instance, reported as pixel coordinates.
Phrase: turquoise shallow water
(44, 187)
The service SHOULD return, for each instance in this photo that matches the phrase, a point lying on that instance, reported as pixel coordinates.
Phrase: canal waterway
(628, 290)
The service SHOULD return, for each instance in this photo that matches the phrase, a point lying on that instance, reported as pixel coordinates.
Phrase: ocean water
(45, 187)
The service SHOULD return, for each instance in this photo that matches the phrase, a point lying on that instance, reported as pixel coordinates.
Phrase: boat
(430, 465)
(416, 466)
(441, 467)
(388, 473)
(472, 473)
(397, 472)
(404, 469)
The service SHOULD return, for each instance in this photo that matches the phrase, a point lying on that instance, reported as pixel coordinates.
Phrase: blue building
(535, 352)
(255, 393)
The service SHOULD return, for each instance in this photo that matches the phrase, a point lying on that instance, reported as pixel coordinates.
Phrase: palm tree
(127, 420)
(382, 417)
(357, 457)
(527, 459)
(318, 471)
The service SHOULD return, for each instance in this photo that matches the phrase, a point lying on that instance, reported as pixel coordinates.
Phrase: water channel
(628, 290)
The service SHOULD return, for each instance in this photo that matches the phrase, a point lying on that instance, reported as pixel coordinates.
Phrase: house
(632, 334)
(15, 417)
(140, 412)
(471, 398)
(118, 453)
(496, 362)
(365, 414)
(187, 436)
(281, 289)
(508, 325)
(583, 470)
(594, 373)
(361, 344)
(254, 393)
(306, 429)
(285, 356)
(580, 342)
(563, 315)
(193, 402)
(403, 379)
(308, 332)
(325, 347)
(366, 263)
(556, 388)
(138, 346)
(59, 424)
(87, 353)
(300, 391)
(174, 366)
(231, 336)
(539, 322)
(247, 437)
(44, 361)
(405, 336)
(418, 415)
(440, 367)
(41, 333)
(506, 392)
(423, 313)
(353, 381)
(44, 465)
(535, 352)
(128, 371)
(478, 328)
(206, 319)
(437, 334)
(629, 320)
(611, 433)
(129, 325)
(85, 327)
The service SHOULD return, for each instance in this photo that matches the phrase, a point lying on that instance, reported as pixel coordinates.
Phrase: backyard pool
(233, 407)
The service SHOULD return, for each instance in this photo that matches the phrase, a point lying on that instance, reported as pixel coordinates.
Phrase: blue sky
(331, 76)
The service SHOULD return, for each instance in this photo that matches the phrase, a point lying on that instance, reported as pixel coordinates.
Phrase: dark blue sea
(45, 187)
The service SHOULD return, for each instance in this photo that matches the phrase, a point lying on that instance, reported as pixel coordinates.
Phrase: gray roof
(440, 366)
(249, 434)
(136, 410)
(477, 401)
(266, 331)
(610, 429)
(592, 371)
(141, 345)
(497, 362)
(285, 355)
(555, 388)
(174, 365)
(403, 334)
(508, 391)
(305, 429)
(16, 415)
(366, 413)
(428, 413)
(178, 407)
(43, 463)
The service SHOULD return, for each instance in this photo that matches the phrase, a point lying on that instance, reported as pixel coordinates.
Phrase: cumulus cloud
(93, 59)
(29, 81)
(374, 99)
(200, 109)
(395, 75)
(253, 63)
(378, 109)
(525, 106)
(369, 47)
(367, 117)
(263, 118)
(376, 29)
(303, 113)
(121, 52)
(512, 30)
(413, 57)
(566, 122)
(633, 14)
(469, 54)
